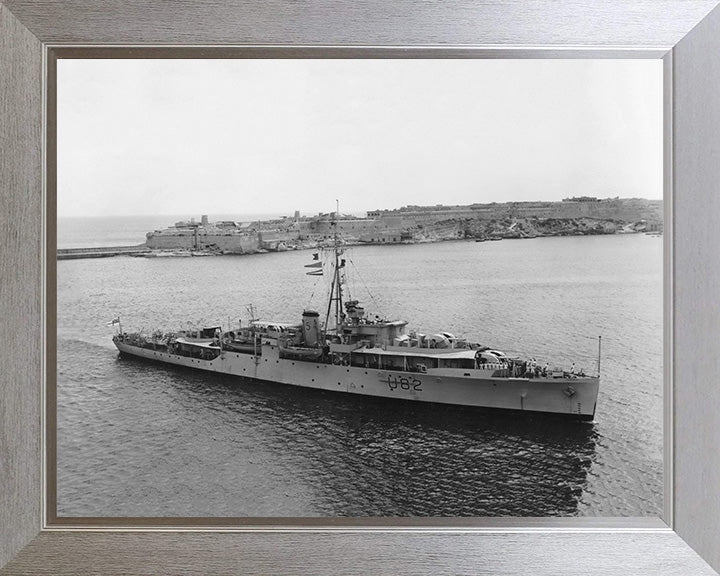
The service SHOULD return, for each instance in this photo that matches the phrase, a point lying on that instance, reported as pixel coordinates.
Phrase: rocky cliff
(521, 228)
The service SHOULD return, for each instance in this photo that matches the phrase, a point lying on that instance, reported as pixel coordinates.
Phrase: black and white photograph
(300, 288)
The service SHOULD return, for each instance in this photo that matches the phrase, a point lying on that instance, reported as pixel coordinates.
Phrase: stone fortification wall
(625, 210)
(206, 240)
(621, 209)
(274, 239)
(353, 230)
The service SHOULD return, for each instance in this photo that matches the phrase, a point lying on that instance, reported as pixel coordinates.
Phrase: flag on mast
(314, 265)
(114, 321)
(315, 273)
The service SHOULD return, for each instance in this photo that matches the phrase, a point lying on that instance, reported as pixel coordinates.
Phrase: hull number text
(403, 383)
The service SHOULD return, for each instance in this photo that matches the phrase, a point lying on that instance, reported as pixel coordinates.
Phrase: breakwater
(101, 252)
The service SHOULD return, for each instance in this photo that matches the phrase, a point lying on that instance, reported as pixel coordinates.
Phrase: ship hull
(574, 397)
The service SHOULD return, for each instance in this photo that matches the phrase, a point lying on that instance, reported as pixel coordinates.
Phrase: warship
(350, 352)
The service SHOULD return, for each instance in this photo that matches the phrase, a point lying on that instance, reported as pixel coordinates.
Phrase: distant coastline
(578, 216)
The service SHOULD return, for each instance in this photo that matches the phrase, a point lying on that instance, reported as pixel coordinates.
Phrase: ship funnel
(311, 328)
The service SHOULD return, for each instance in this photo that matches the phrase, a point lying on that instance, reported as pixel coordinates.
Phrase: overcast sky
(145, 137)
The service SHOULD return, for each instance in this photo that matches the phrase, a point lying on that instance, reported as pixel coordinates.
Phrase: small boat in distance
(352, 353)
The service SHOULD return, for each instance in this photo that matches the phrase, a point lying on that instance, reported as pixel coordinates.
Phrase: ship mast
(336, 286)
(338, 300)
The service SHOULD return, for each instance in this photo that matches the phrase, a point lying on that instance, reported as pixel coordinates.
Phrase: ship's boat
(350, 352)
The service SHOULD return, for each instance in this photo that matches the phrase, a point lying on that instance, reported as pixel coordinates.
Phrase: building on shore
(225, 236)
(572, 216)
(281, 234)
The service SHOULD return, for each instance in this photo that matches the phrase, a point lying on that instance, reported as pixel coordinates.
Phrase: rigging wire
(367, 289)
(312, 295)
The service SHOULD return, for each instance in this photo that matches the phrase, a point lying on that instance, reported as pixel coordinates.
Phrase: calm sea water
(143, 439)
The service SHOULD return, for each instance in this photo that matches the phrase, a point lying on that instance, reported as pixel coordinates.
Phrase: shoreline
(142, 251)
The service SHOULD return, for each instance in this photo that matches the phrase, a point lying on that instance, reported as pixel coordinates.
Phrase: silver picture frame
(686, 35)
